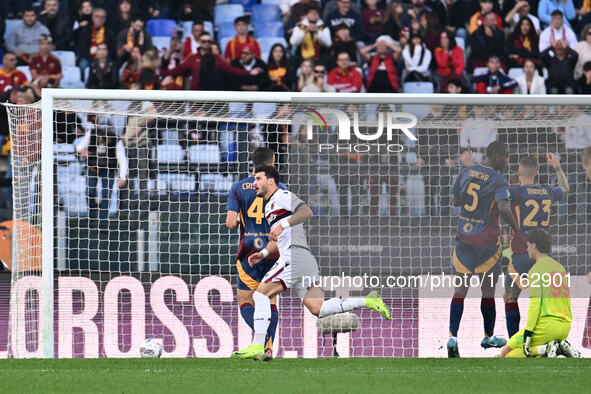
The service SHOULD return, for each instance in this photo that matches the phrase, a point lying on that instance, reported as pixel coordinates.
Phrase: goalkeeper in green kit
(549, 314)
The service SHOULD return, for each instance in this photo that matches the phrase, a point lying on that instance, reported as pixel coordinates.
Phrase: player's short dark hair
(541, 238)
(529, 163)
(270, 172)
(496, 148)
(262, 156)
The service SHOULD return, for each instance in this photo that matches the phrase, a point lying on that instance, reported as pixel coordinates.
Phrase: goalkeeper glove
(527, 342)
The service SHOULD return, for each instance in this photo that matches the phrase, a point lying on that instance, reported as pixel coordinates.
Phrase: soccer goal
(119, 216)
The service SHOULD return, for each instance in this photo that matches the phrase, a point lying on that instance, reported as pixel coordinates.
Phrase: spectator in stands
(46, 69)
(519, 11)
(23, 39)
(319, 83)
(59, 25)
(306, 75)
(149, 75)
(583, 49)
(417, 59)
(90, 35)
(172, 58)
(486, 6)
(136, 139)
(430, 29)
(560, 61)
(311, 36)
(103, 73)
(478, 131)
(530, 82)
(120, 20)
(10, 77)
(344, 77)
(192, 42)
(391, 23)
(455, 86)
(584, 81)
(344, 14)
(293, 11)
(383, 76)
(130, 70)
(105, 156)
(557, 31)
(83, 17)
(523, 44)
(280, 70)
(494, 81)
(546, 9)
(372, 17)
(343, 42)
(192, 64)
(135, 36)
(486, 41)
(248, 61)
(583, 11)
(449, 59)
(241, 39)
(410, 18)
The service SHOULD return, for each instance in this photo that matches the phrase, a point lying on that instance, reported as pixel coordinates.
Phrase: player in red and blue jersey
(246, 210)
(483, 194)
(532, 205)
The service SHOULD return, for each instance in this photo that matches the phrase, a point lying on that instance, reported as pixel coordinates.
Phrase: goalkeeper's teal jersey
(549, 294)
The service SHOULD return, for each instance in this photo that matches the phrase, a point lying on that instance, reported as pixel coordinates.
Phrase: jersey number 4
(535, 207)
(256, 210)
(472, 190)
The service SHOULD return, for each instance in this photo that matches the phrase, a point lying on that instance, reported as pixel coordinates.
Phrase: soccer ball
(150, 348)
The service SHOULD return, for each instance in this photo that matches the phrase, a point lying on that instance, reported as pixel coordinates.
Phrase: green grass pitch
(296, 375)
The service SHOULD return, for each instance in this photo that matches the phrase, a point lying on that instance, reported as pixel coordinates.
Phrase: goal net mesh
(141, 248)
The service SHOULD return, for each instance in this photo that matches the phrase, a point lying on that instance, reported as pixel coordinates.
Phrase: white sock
(340, 305)
(542, 349)
(262, 317)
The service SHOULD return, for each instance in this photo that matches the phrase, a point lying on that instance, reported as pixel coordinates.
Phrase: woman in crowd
(530, 82)
(417, 59)
(523, 44)
(583, 49)
(306, 76)
(449, 59)
(279, 68)
(130, 70)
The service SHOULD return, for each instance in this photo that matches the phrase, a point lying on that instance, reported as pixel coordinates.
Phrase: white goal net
(129, 200)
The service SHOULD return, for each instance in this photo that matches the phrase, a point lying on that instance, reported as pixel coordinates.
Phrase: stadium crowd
(481, 46)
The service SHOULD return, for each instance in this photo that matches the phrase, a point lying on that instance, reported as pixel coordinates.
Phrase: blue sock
(489, 314)
(247, 312)
(513, 317)
(455, 314)
(273, 323)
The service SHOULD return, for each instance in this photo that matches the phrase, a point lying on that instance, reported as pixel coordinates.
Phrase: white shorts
(297, 269)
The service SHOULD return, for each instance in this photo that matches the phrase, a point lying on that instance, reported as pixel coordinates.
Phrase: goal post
(126, 192)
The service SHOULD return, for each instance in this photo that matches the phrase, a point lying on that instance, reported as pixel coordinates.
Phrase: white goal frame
(47, 167)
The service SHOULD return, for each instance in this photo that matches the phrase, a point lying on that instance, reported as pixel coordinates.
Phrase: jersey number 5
(472, 189)
(256, 210)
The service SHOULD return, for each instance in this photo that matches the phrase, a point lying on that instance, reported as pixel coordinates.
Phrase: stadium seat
(265, 13)
(274, 2)
(268, 29)
(71, 74)
(223, 43)
(247, 4)
(461, 43)
(10, 23)
(226, 30)
(227, 13)
(25, 70)
(417, 87)
(68, 58)
(263, 110)
(480, 71)
(204, 153)
(169, 154)
(266, 43)
(72, 84)
(161, 27)
(515, 72)
(161, 42)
